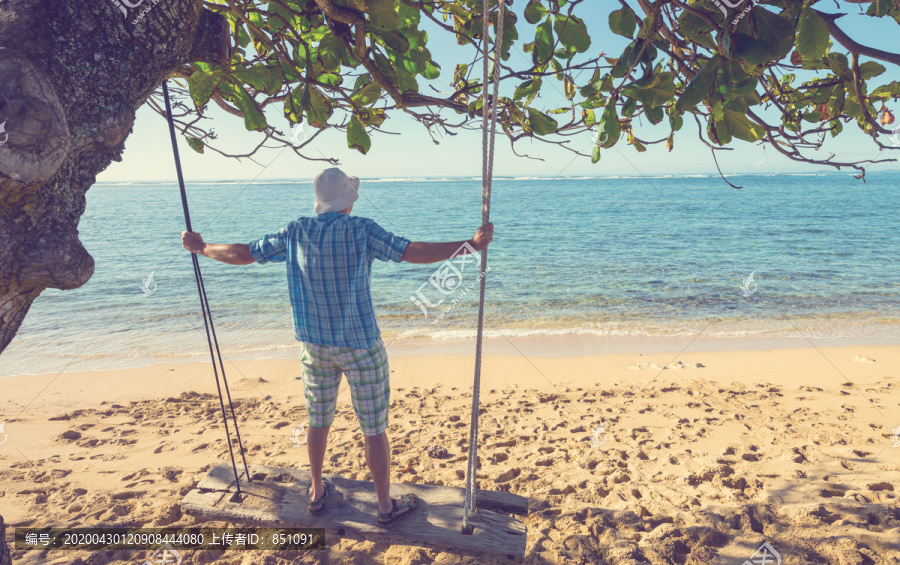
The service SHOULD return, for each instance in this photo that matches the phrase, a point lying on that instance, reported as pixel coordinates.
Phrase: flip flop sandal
(311, 503)
(410, 501)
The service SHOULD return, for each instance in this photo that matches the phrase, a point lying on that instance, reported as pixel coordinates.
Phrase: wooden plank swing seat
(277, 498)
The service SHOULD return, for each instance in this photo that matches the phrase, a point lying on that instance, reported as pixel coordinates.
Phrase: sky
(408, 151)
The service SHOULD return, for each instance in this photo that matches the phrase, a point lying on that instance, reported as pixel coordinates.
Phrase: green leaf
(395, 40)
(372, 116)
(202, 84)
(432, 70)
(835, 103)
(357, 138)
(528, 89)
(569, 88)
(385, 66)
(696, 29)
(407, 81)
(543, 42)
(838, 64)
(293, 109)
(254, 120)
(572, 33)
(609, 126)
(459, 73)
(745, 87)
(837, 126)
(654, 115)
(367, 94)
(383, 15)
(595, 154)
(621, 66)
(318, 108)
(195, 144)
(812, 117)
(676, 121)
(891, 90)
(753, 51)
(740, 126)
(652, 93)
(331, 79)
(361, 81)
(592, 88)
(589, 119)
(457, 9)
(535, 11)
(330, 50)
(413, 62)
(256, 18)
(623, 22)
(557, 68)
(417, 38)
(870, 69)
(409, 15)
(541, 123)
(699, 87)
(262, 78)
(510, 34)
(774, 30)
(279, 17)
(812, 35)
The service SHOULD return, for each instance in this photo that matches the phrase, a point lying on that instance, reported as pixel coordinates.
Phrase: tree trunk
(72, 76)
(5, 558)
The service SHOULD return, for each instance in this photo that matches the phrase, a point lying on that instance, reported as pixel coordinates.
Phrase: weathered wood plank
(276, 498)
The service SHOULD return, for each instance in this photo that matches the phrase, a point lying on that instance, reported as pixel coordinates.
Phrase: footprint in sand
(881, 487)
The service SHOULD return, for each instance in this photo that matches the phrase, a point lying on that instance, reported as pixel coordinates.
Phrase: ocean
(811, 255)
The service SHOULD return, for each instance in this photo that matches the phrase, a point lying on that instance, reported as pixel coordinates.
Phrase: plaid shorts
(369, 377)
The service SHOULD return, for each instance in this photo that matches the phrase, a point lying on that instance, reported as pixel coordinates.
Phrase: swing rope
(207, 314)
(487, 171)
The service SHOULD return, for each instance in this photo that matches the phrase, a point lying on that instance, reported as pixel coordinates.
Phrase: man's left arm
(230, 253)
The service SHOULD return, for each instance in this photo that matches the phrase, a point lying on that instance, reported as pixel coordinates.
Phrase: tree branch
(853, 46)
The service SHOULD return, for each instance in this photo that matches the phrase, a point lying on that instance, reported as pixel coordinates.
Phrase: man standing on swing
(329, 268)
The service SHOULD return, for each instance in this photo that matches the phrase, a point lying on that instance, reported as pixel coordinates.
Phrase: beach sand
(704, 455)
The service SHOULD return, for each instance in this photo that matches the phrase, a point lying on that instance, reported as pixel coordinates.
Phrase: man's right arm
(429, 252)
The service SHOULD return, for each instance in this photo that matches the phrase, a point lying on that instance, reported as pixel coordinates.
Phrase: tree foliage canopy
(782, 73)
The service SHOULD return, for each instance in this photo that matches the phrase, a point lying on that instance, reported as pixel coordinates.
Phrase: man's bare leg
(316, 445)
(378, 457)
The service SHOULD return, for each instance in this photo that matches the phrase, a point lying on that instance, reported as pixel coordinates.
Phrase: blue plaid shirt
(329, 269)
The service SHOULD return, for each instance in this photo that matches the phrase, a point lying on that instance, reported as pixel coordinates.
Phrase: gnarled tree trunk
(72, 76)
(5, 558)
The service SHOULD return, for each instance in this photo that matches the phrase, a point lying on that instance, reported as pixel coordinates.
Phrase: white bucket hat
(334, 190)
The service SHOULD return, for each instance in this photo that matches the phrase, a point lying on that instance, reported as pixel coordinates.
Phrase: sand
(704, 454)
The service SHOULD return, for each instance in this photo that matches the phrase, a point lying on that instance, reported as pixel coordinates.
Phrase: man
(329, 268)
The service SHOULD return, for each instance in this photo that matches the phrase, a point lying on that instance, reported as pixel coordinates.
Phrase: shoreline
(541, 346)
(532, 363)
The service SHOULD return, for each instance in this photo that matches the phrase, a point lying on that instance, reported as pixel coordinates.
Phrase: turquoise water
(655, 256)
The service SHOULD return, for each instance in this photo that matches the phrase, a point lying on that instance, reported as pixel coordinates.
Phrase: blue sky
(411, 152)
